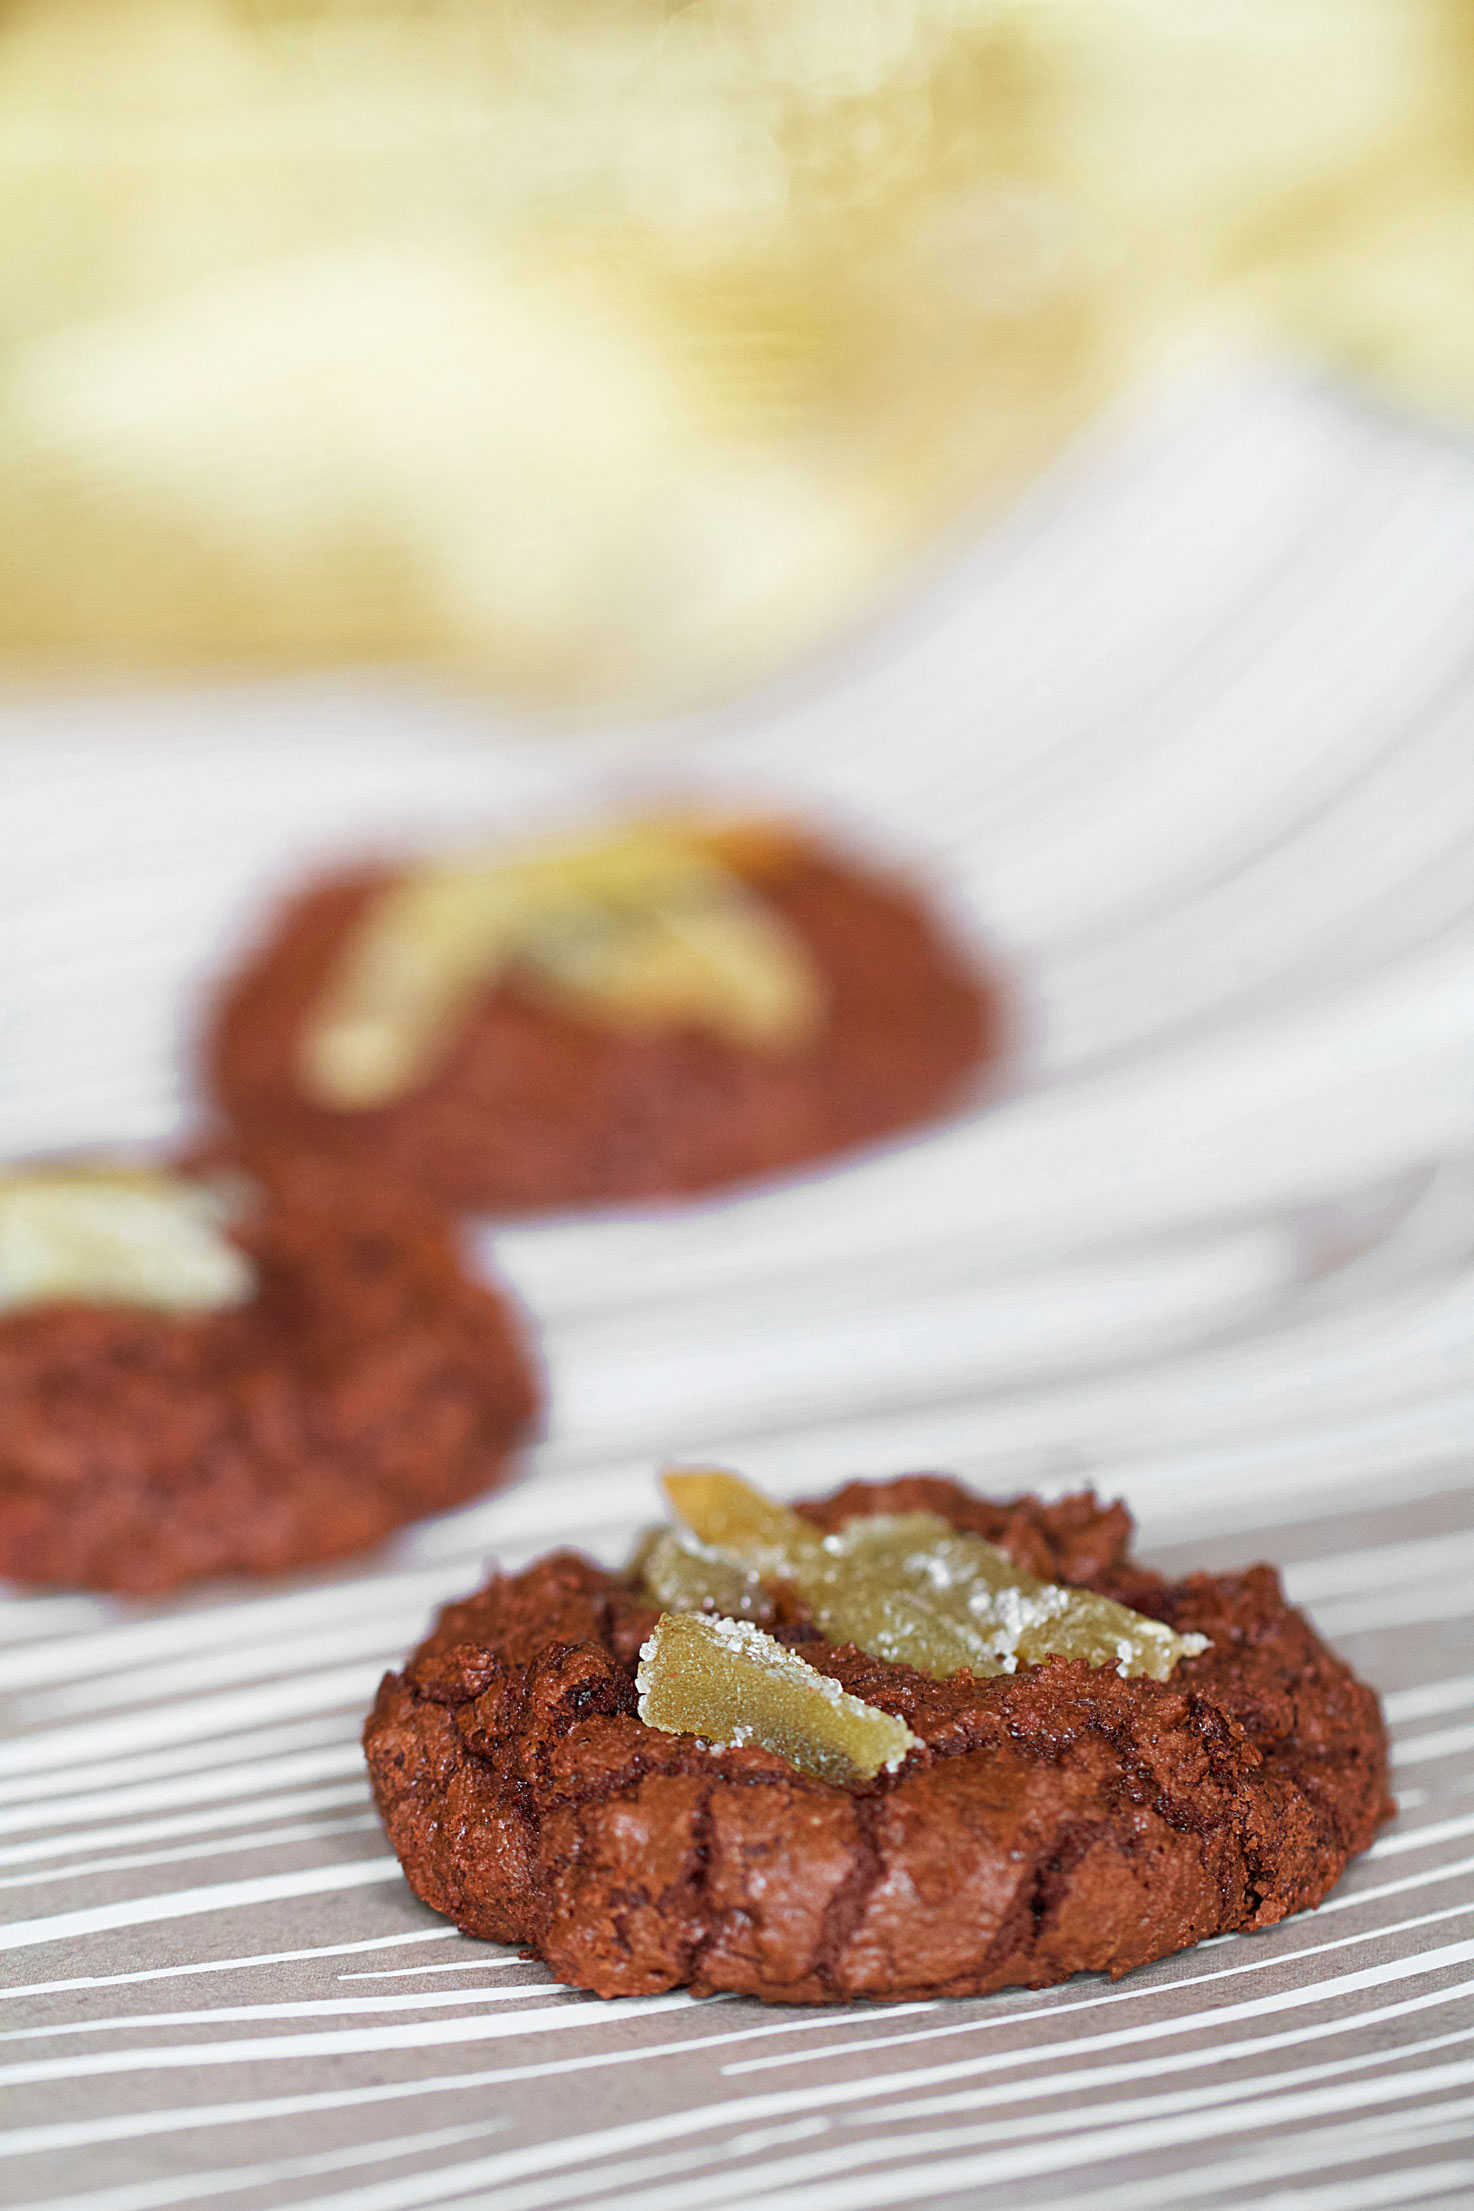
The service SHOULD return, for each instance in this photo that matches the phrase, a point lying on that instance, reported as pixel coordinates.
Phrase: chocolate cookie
(205, 1376)
(1033, 1821)
(673, 1007)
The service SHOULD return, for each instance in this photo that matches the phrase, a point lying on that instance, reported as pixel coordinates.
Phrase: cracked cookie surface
(1055, 1820)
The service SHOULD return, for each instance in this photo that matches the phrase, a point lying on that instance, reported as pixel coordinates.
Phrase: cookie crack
(1050, 1881)
(847, 1906)
(703, 1838)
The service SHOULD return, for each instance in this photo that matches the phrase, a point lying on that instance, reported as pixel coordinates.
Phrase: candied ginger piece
(643, 926)
(430, 945)
(728, 1682)
(682, 1575)
(716, 956)
(1019, 1619)
(871, 1609)
(910, 1588)
(727, 1514)
(119, 1236)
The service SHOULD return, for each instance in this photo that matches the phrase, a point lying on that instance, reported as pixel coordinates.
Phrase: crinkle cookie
(799, 1818)
(202, 1374)
(657, 1010)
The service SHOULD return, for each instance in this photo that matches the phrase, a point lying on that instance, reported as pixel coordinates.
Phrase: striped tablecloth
(1192, 737)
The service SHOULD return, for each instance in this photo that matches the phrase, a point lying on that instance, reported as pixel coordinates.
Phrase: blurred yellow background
(611, 352)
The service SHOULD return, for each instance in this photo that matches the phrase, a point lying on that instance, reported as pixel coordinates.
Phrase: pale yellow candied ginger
(681, 1575)
(103, 1235)
(730, 1683)
(650, 925)
(910, 1588)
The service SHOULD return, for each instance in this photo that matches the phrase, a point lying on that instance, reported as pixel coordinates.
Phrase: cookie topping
(118, 1236)
(906, 1587)
(728, 1682)
(651, 926)
(686, 1576)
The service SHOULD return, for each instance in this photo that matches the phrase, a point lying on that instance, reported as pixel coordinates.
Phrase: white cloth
(1191, 737)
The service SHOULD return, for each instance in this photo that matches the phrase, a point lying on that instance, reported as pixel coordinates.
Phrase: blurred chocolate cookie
(202, 1373)
(664, 1009)
(900, 1742)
